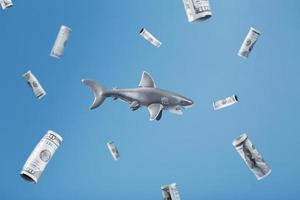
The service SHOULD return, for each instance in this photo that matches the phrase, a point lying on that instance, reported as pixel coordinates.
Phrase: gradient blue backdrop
(197, 60)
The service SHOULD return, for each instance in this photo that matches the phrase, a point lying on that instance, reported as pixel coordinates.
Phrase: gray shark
(146, 94)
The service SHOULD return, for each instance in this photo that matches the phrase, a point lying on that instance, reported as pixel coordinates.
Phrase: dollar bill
(6, 4)
(249, 42)
(34, 84)
(60, 42)
(197, 10)
(148, 36)
(113, 150)
(225, 102)
(251, 156)
(170, 192)
(40, 156)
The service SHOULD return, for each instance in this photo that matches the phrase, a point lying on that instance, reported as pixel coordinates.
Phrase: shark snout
(187, 102)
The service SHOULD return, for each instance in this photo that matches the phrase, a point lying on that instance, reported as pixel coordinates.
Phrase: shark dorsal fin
(147, 81)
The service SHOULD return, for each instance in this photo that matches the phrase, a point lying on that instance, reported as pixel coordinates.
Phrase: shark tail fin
(98, 93)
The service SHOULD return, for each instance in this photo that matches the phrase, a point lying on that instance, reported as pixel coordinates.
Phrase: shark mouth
(188, 106)
(178, 110)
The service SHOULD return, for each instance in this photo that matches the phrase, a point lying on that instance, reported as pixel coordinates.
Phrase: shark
(145, 95)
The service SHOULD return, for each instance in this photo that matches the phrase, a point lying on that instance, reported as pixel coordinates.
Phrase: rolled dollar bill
(148, 36)
(197, 10)
(40, 156)
(6, 4)
(113, 150)
(251, 156)
(61, 41)
(170, 192)
(225, 102)
(249, 43)
(35, 85)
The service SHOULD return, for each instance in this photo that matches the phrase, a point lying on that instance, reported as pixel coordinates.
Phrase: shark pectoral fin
(178, 110)
(147, 81)
(159, 115)
(134, 105)
(154, 110)
(115, 97)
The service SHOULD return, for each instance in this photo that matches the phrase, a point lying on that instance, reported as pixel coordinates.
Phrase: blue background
(196, 60)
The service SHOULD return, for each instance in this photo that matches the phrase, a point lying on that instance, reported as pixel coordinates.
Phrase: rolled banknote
(197, 10)
(148, 36)
(113, 150)
(40, 156)
(251, 156)
(225, 102)
(61, 41)
(249, 43)
(6, 4)
(170, 192)
(35, 85)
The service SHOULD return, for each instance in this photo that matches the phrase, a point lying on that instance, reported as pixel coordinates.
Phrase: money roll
(34, 84)
(61, 41)
(228, 101)
(113, 150)
(40, 156)
(251, 156)
(170, 192)
(149, 37)
(249, 43)
(197, 10)
(6, 4)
